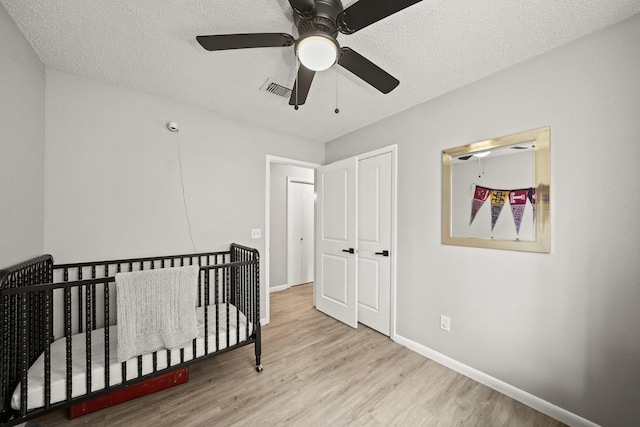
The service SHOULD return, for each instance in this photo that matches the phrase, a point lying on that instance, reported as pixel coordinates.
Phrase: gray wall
(22, 91)
(278, 218)
(113, 175)
(561, 326)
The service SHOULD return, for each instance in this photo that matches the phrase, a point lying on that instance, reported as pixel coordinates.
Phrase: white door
(299, 232)
(336, 238)
(374, 242)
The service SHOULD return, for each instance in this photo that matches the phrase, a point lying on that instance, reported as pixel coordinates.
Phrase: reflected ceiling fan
(318, 23)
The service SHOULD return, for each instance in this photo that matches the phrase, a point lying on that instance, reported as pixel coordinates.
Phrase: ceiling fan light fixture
(317, 51)
(482, 154)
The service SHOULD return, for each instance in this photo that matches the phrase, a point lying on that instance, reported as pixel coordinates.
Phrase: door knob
(350, 250)
(383, 253)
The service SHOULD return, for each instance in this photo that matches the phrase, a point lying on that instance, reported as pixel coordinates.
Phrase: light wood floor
(317, 371)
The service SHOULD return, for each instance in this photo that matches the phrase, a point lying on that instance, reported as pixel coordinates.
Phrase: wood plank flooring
(317, 372)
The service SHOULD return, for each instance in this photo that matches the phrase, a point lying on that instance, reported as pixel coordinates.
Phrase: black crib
(41, 303)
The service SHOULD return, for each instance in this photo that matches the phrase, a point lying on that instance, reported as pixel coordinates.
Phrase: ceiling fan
(318, 23)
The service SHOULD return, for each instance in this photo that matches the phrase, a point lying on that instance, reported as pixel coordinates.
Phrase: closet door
(336, 238)
(374, 242)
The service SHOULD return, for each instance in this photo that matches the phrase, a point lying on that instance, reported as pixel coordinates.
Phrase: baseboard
(528, 399)
(278, 288)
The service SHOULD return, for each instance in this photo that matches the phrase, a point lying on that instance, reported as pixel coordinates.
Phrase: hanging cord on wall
(184, 198)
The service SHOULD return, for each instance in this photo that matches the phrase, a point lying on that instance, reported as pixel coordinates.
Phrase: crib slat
(217, 303)
(24, 367)
(33, 305)
(88, 329)
(207, 297)
(80, 302)
(227, 290)
(238, 305)
(200, 290)
(124, 371)
(107, 325)
(68, 349)
(93, 299)
(243, 293)
(5, 331)
(47, 350)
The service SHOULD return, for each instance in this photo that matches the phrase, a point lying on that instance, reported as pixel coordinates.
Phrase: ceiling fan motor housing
(324, 21)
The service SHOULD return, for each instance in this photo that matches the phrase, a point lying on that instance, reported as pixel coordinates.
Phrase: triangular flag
(532, 199)
(518, 201)
(498, 199)
(480, 195)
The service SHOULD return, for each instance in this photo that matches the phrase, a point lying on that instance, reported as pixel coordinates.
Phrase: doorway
(280, 172)
(300, 220)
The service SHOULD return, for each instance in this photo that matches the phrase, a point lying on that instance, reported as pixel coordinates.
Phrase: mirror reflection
(495, 193)
(497, 189)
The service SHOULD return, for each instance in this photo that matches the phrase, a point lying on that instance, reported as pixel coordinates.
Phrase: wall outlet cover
(445, 323)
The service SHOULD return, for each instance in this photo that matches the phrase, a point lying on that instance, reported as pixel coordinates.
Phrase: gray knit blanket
(156, 309)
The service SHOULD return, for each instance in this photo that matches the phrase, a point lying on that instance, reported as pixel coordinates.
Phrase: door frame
(265, 316)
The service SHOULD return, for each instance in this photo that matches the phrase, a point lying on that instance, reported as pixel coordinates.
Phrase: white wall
(113, 178)
(22, 91)
(278, 218)
(561, 326)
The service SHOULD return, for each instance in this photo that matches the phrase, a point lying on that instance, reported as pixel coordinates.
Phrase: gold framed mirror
(496, 193)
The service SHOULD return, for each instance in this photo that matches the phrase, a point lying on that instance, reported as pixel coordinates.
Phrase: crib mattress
(35, 384)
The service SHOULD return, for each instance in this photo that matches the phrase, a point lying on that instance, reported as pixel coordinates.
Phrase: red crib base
(143, 388)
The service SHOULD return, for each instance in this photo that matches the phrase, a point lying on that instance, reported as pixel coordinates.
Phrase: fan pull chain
(295, 107)
(295, 85)
(337, 110)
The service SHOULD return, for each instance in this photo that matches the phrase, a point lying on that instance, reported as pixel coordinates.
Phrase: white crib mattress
(35, 384)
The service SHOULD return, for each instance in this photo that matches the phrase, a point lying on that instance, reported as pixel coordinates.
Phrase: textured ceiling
(432, 47)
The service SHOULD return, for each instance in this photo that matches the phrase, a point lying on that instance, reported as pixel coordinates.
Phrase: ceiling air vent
(276, 89)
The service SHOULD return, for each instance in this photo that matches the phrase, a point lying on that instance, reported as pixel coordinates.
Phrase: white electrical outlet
(256, 233)
(445, 323)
